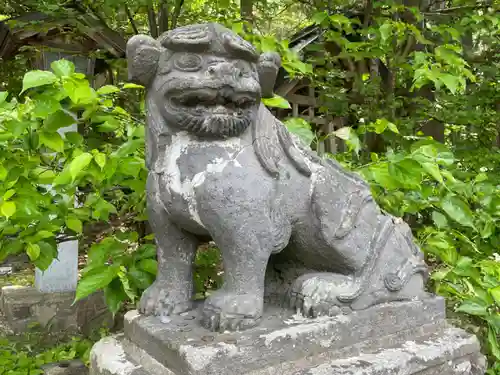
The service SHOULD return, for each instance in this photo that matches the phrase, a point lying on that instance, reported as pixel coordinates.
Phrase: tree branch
(163, 17)
(177, 12)
(153, 28)
(456, 9)
(131, 19)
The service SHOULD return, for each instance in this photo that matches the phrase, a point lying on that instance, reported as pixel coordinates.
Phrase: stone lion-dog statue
(293, 228)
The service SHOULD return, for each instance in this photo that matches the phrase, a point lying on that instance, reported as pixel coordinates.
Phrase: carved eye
(188, 62)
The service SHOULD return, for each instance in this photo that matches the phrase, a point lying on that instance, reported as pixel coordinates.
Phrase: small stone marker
(62, 274)
(4, 271)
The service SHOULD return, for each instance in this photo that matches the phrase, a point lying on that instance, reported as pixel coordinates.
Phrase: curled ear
(143, 53)
(268, 67)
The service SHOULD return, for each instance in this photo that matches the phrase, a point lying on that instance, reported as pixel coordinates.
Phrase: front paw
(229, 311)
(160, 300)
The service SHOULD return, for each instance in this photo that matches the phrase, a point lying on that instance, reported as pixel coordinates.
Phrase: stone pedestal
(394, 338)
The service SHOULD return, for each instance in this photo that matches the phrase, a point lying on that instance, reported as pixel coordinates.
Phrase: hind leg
(392, 270)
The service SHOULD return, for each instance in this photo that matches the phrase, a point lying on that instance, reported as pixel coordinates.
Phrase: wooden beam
(285, 88)
(302, 100)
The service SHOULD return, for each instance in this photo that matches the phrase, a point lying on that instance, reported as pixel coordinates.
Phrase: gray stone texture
(24, 307)
(62, 274)
(294, 230)
(387, 339)
(74, 367)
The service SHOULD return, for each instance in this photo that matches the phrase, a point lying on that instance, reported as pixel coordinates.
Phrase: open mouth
(216, 101)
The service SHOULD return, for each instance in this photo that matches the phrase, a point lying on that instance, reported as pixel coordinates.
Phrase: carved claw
(231, 312)
(315, 295)
(159, 300)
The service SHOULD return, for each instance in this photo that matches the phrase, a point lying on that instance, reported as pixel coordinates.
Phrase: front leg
(240, 301)
(172, 292)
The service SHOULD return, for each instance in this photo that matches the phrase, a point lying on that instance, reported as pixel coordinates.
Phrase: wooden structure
(302, 96)
(75, 38)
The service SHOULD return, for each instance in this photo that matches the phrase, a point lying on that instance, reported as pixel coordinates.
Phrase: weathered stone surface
(92, 314)
(222, 167)
(17, 262)
(441, 351)
(74, 367)
(6, 270)
(62, 274)
(25, 306)
(281, 336)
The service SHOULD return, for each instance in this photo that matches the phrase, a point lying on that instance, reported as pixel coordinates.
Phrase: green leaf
(43, 234)
(451, 82)
(48, 252)
(8, 209)
(472, 308)
(148, 265)
(458, 210)
(36, 78)
(439, 219)
(122, 275)
(79, 163)
(108, 89)
(57, 120)
(100, 159)
(74, 224)
(45, 105)
(380, 125)
(385, 31)
(140, 279)
(301, 128)
(114, 296)
(74, 138)
(350, 137)
(63, 67)
(146, 250)
(433, 170)
(320, 17)
(276, 101)
(493, 341)
(495, 293)
(33, 251)
(3, 96)
(52, 140)
(392, 127)
(96, 279)
(62, 178)
(132, 86)
(8, 194)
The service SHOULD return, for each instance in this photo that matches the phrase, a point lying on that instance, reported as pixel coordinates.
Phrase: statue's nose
(224, 71)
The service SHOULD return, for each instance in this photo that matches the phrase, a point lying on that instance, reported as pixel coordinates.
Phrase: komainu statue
(293, 229)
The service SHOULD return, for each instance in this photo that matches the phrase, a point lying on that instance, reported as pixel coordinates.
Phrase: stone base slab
(24, 307)
(394, 338)
(449, 351)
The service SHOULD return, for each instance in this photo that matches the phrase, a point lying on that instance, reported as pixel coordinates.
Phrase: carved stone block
(404, 338)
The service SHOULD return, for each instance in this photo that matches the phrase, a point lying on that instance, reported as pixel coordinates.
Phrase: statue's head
(202, 78)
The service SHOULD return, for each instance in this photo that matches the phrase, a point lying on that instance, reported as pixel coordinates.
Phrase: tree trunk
(246, 11)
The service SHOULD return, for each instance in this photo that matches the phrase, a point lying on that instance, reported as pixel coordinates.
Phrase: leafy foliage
(21, 357)
(53, 180)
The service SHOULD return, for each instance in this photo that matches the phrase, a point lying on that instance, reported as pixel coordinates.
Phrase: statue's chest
(187, 162)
